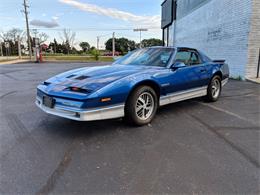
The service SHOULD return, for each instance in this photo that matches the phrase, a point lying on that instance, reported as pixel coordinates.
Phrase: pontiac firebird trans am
(134, 86)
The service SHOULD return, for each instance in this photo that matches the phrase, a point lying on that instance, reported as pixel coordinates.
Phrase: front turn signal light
(106, 99)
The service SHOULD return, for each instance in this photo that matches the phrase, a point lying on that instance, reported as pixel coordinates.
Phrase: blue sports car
(134, 86)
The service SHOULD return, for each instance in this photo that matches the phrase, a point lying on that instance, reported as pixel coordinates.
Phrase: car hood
(94, 78)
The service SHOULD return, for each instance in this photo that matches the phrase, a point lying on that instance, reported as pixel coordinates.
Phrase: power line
(94, 29)
(104, 35)
(127, 35)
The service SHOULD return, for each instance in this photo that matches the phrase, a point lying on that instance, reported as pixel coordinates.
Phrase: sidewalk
(15, 61)
(255, 80)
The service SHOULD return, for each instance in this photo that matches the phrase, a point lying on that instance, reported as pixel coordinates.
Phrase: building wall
(220, 28)
(254, 41)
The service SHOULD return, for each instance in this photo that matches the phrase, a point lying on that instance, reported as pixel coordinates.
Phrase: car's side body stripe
(183, 95)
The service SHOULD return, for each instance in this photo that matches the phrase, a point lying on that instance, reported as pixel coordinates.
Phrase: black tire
(134, 103)
(213, 94)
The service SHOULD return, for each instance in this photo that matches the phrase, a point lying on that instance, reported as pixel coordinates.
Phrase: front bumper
(115, 111)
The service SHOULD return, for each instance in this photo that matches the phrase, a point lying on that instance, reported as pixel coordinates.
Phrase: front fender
(119, 90)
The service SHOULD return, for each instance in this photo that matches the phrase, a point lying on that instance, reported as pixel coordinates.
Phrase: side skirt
(224, 82)
(183, 95)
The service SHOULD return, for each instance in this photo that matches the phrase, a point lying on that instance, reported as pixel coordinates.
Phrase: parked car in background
(117, 53)
(134, 86)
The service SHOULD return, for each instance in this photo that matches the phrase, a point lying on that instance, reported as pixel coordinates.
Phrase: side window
(194, 59)
(183, 56)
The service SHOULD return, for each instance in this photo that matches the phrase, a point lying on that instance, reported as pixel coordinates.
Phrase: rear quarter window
(204, 57)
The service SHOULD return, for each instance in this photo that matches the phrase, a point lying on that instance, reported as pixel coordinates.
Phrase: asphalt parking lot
(190, 147)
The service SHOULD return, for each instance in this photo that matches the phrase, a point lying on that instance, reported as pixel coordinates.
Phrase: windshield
(147, 57)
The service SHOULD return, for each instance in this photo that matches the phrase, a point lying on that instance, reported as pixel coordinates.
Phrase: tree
(57, 47)
(152, 42)
(11, 37)
(122, 45)
(54, 46)
(68, 38)
(12, 34)
(92, 48)
(43, 37)
(85, 46)
(94, 52)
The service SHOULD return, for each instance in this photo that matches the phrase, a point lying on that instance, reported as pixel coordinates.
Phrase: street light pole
(113, 44)
(97, 43)
(140, 30)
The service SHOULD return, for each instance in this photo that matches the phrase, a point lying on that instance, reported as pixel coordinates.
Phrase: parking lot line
(228, 112)
(234, 146)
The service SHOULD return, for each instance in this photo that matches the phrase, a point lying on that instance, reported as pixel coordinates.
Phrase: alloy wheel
(215, 88)
(144, 106)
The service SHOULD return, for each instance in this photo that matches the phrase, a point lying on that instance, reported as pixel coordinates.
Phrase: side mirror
(178, 65)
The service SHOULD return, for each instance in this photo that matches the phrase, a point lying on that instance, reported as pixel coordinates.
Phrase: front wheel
(141, 106)
(214, 89)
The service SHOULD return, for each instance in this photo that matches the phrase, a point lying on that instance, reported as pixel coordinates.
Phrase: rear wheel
(214, 89)
(141, 106)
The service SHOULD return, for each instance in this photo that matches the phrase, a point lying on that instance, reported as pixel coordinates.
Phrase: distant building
(223, 29)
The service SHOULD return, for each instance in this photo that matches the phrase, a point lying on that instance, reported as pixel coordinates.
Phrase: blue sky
(88, 18)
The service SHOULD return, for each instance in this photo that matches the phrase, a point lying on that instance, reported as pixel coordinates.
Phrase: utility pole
(97, 50)
(113, 44)
(140, 30)
(19, 47)
(27, 27)
(97, 42)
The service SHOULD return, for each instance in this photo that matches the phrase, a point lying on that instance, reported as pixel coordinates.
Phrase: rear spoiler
(219, 61)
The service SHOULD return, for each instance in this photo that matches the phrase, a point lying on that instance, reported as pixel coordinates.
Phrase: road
(190, 147)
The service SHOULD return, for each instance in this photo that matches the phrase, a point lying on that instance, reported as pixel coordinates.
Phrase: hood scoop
(82, 77)
(70, 76)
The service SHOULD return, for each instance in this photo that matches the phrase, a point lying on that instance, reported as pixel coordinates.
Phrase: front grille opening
(79, 90)
(82, 77)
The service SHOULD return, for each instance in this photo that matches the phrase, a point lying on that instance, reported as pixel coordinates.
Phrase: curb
(14, 62)
(257, 80)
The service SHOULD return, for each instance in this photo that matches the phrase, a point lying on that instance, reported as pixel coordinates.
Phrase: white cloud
(47, 24)
(7, 18)
(59, 14)
(136, 20)
(55, 18)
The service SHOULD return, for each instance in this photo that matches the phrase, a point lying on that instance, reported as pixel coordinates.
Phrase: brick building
(223, 29)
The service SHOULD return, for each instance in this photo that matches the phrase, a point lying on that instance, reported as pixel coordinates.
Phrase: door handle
(202, 70)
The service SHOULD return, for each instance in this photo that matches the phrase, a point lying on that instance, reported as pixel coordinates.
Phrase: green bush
(95, 53)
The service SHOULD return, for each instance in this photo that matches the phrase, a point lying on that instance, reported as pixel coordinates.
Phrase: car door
(193, 75)
(200, 70)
